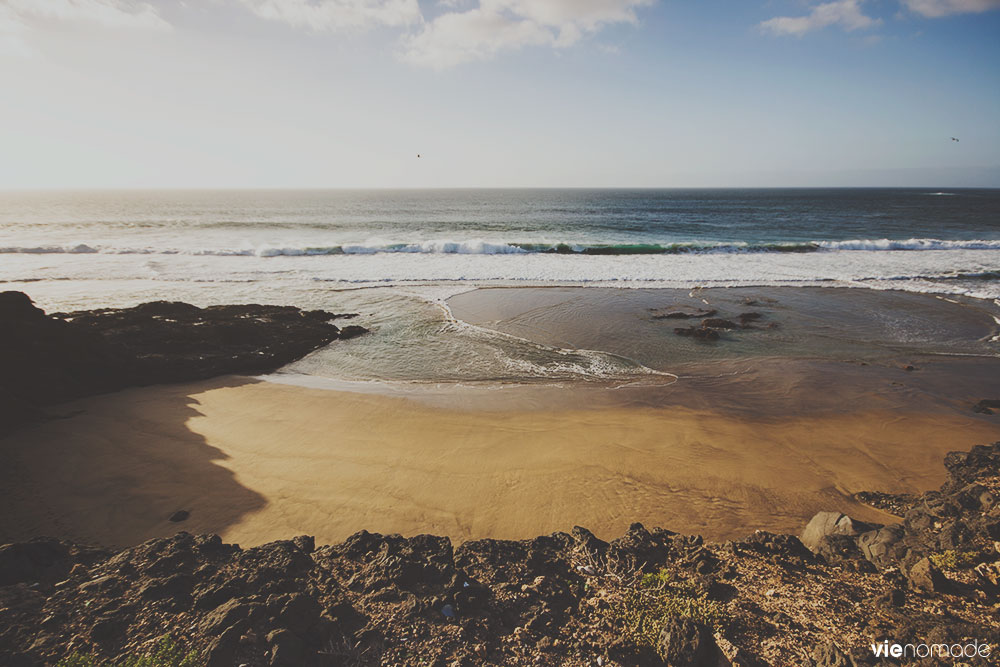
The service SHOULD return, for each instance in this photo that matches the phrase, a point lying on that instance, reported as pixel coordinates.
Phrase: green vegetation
(954, 560)
(655, 598)
(166, 653)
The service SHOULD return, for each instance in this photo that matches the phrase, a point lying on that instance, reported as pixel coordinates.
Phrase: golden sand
(256, 461)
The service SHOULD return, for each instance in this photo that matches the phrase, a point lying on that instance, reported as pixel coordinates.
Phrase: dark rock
(836, 548)
(684, 642)
(305, 543)
(179, 515)
(923, 576)
(35, 560)
(352, 331)
(48, 359)
(108, 629)
(221, 651)
(177, 586)
(682, 314)
(986, 406)
(718, 323)
(892, 598)
(697, 333)
(787, 546)
(225, 616)
(286, 648)
(300, 612)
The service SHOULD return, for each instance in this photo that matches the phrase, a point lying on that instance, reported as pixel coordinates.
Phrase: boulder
(831, 523)
(923, 576)
(684, 642)
(879, 545)
(179, 515)
(225, 616)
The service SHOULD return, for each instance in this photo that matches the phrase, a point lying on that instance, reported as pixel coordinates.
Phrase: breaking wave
(478, 247)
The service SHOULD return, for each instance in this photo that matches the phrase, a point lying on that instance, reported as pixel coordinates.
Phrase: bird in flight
(953, 139)
(418, 154)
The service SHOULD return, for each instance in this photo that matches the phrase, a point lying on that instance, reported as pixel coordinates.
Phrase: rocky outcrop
(963, 515)
(710, 326)
(47, 359)
(650, 597)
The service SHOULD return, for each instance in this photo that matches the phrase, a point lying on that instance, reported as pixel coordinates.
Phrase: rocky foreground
(651, 597)
(46, 359)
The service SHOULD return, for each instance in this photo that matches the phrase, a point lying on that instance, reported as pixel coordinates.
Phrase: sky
(498, 93)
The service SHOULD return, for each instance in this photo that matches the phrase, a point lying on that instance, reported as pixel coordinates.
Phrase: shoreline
(731, 444)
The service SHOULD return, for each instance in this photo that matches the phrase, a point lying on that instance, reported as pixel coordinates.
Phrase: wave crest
(480, 247)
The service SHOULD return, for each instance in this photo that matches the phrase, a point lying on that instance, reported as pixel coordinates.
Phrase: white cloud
(506, 25)
(844, 13)
(19, 18)
(937, 8)
(108, 13)
(330, 15)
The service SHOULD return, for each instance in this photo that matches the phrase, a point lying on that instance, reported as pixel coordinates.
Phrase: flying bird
(418, 154)
(953, 139)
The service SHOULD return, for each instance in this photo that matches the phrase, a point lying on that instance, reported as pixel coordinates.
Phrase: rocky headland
(47, 359)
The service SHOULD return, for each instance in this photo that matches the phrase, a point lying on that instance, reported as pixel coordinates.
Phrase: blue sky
(346, 93)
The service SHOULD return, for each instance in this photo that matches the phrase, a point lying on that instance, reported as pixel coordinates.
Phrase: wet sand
(258, 461)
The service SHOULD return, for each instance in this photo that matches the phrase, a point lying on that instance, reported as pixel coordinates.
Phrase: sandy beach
(258, 461)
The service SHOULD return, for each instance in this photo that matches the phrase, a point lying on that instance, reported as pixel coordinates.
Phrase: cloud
(938, 8)
(19, 18)
(108, 13)
(507, 25)
(844, 13)
(332, 15)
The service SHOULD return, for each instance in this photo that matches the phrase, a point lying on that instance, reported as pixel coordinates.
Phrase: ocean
(397, 256)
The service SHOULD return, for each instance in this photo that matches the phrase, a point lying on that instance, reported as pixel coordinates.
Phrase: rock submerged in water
(47, 359)
(987, 406)
(681, 314)
(718, 323)
(698, 333)
(709, 328)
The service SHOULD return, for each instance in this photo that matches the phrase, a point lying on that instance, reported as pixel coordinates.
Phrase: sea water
(396, 256)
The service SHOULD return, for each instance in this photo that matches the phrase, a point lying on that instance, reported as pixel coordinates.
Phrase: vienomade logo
(889, 649)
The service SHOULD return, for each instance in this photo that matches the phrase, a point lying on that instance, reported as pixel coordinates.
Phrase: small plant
(166, 653)
(655, 598)
(954, 560)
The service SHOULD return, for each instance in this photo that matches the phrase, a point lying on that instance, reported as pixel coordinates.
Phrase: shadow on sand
(112, 469)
